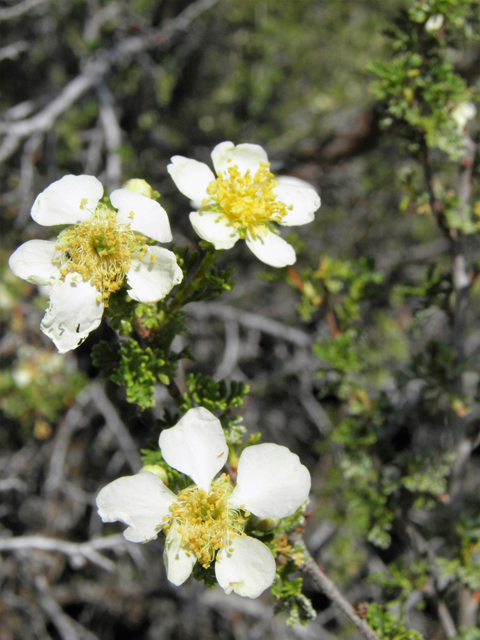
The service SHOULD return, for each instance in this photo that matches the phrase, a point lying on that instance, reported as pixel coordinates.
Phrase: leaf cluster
(136, 367)
(387, 625)
(418, 87)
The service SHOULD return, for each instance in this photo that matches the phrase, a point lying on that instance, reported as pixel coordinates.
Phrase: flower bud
(463, 112)
(265, 525)
(157, 470)
(140, 186)
(434, 23)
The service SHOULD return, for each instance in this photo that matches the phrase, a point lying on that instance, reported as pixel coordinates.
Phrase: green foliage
(216, 396)
(175, 478)
(205, 575)
(419, 88)
(37, 386)
(433, 291)
(137, 368)
(342, 352)
(290, 599)
(426, 476)
(469, 633)
(387, 625)
(403, 578)
(202, 279)
(465, 566)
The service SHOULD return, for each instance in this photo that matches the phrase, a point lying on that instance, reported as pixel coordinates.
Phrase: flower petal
(245, 156)
(72, 314)
(299, 194)
(69, 200)
(142, 214)
(215, 228)
(248, 570)
(151, 281)
(178, 563)
(196, 446)
(271, 481)
(32, 261)
(191, 177)
(272, 249)
(141, 501)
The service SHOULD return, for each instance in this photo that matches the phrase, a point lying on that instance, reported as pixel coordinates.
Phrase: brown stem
(330, 590)
(435, 205)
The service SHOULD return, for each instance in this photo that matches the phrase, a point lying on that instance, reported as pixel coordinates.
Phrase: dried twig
(77, 551)
(252, 321)
(12, 51)
(113, 137)
(67, 627)
(19, 9)
(94, 70)
(115, 424)
(330, 590)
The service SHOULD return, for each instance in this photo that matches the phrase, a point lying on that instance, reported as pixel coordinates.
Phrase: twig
(446, 620)
(95, 69)
(330, 590)
(231, 352)
(19, 9)
(251, 320)
(113, 136)
(435, 585)
(92, 27)
(77, 551)
(68, 628)
(115, 424)
(73, 420)
(12, 51)
(27, 172)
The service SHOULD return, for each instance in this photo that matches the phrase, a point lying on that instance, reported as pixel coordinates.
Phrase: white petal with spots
(248, 570)
(178, 563)
(143, 214)
(70, 200)
(245, 156)
(33, 261)
(72, 314)
(272, 249)
(152, 281)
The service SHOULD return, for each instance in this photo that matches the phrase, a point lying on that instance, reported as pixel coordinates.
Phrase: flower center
(204, 520)
(248, 201)
(100, 250)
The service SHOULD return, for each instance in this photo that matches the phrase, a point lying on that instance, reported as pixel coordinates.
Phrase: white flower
(244, 201)
(204, 522)
(434, 23)
(91, 259)
(463, 112)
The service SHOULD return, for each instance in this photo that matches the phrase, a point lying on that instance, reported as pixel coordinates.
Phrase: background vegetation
(363, 359)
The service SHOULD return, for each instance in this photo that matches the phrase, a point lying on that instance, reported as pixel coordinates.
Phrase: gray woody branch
(331, 591)
(95, 69)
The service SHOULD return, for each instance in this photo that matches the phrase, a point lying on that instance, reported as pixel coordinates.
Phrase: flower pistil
(100, 250)
(204, 520)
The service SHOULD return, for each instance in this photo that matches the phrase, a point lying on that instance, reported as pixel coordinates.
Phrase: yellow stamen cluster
(100, 250)
(204, 520)
(248, 201)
